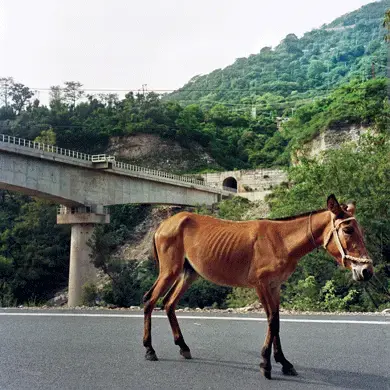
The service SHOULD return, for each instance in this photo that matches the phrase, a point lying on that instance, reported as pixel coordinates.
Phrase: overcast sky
(122, 44)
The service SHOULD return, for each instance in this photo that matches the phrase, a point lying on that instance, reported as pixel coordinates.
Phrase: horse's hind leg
(162, 284)
(270, 305)
(170, 301)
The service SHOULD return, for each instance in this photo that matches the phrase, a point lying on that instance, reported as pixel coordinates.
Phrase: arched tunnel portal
(231, 183)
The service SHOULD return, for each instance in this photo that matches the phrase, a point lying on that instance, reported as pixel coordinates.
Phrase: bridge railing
(102, 158)
(44, 147)
(155, 172)
(98, 158)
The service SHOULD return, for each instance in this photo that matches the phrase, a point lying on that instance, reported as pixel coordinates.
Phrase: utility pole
(6, 94)
(253, 112)
(4, 85)
(327, 79)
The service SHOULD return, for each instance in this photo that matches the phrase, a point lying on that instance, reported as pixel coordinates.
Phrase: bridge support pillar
(81, 269)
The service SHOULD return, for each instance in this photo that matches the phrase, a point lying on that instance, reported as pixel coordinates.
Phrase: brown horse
(260, 254)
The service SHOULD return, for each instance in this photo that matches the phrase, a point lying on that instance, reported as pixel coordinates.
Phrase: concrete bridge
(84, 185)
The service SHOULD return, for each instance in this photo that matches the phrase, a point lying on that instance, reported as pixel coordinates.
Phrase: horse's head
(344, 240)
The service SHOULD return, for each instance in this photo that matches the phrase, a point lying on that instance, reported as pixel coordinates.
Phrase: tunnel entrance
(230, 183)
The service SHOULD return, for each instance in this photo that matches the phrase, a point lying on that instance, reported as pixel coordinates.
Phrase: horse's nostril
(366, 274)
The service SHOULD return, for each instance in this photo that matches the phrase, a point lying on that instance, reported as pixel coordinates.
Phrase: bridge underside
(38, 194)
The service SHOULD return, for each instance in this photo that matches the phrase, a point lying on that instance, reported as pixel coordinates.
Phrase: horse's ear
(351, 207)
(333, 205)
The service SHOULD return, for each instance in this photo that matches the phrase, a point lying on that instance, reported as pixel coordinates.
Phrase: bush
(233, 209)
(240, 297)
(332, 302)
(7, 299)
(89, 294)
(305, 295)
(129, 282)
(204, 293)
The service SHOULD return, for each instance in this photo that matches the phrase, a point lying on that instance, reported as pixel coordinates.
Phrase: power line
(263, 106)
(184, 89)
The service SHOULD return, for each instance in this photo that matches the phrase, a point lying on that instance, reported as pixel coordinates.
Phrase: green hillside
(350, 47)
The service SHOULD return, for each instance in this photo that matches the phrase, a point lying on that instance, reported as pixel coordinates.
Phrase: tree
(219, 114)
(47, 137)
(5, 90)
(56, 96)
(316, 71)
(109, 99)
(266, 50)
(291, 44)
(386, 24)
(72, 92)
(20, 94)
(190, 123)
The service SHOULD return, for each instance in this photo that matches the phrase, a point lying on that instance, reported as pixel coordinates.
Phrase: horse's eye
(348, 229)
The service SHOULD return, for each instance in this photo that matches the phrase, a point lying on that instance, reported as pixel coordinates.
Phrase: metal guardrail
(102, 158)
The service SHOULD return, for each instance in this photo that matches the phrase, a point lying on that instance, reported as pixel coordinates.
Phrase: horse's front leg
(270, 298)
(287, 367)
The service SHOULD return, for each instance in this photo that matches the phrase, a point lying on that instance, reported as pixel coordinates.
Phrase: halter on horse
(261, 254)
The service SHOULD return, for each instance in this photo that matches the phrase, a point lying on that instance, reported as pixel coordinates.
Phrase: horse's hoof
(289, 371)
(151, 356)
(266, 373)
(186, 354)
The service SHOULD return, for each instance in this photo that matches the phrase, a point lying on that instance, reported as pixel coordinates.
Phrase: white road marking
(192, 317)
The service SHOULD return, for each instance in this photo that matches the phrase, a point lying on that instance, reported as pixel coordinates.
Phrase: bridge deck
(99, 164)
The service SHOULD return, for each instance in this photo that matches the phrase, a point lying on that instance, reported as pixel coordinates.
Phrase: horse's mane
(295, 216)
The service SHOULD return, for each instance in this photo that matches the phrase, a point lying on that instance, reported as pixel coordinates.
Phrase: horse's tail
(155, 257)
(155, 254)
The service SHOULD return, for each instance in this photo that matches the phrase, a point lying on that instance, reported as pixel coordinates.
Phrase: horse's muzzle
(362, 274)
(367, 274)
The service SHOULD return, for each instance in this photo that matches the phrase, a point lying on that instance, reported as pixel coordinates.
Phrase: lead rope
(311, 233)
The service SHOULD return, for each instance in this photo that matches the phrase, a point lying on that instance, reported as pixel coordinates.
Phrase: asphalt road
(66, 350)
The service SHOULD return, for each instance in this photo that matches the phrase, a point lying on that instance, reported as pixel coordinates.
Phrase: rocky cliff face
(140, 246)
(151, 151)
(331, 138)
